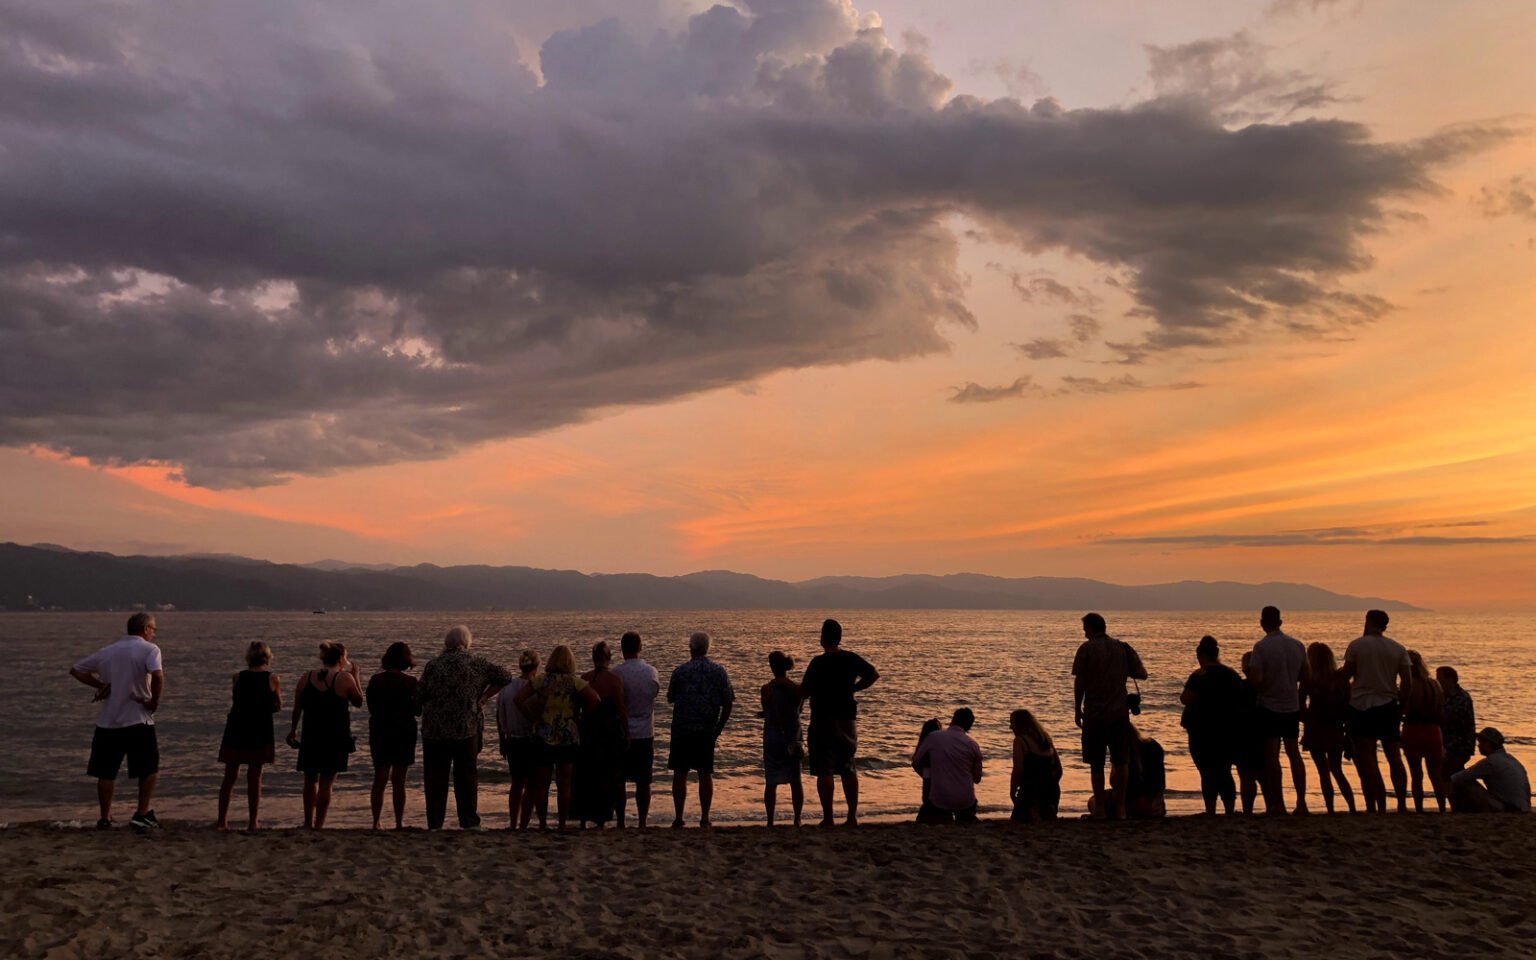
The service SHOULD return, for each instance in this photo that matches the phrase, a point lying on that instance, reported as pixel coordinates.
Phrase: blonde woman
(321, 702)
(248, 739)
(1423, 740)
(553, 703)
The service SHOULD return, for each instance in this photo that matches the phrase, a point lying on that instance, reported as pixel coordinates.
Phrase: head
(258, 655)
(1376, 621)
(963, 718)
(561, 660)
(1023, 723)
(1489, 741)
(1269, 619)
(457, 638)
(698, 644)
(332, 652)
(398, 657)
(528, 663)
(602, 654)
(141, 625)
(630, 644)
(780, 663)
(1416, 663)
(1448, 677)
(1094, 625)
(1321, 663)
(929, 726)
(1208, 651)
(831, 634)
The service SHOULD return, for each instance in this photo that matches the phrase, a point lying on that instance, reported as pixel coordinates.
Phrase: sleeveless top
(327, 736)
(249, 726)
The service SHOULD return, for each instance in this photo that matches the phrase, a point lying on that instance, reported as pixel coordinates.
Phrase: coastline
(1387, 886)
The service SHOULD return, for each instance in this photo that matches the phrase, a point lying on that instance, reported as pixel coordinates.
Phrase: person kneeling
(1508, 788)
(1147, 781)
(953, 761)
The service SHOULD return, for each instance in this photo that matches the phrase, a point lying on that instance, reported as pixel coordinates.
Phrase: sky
(1137, 292)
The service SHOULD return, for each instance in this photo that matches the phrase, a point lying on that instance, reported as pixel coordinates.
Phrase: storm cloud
(260, 240)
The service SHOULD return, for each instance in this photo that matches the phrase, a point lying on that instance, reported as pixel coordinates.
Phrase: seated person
(1505, 787)
(1148, 779)
(953, 760)
(1036, 784)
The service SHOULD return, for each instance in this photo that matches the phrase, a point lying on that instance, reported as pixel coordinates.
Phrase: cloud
(1122, 384)
(255, 241)
(1514, 197)
(1043, 349)
(976, 393)
(1332, 537)
(1231, 75)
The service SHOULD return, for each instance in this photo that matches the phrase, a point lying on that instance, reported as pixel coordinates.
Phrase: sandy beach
(1399, 886)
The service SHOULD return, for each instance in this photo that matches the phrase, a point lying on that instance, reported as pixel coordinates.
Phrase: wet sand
(1396, 886)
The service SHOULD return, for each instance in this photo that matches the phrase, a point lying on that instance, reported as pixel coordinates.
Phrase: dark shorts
(522, 756)
(109, 745)
(639, 760)
(392, 751)
(1378, 723)
(692, 751)
(1279, 726)
(553, 755)
(832, 743)
(1101, 735)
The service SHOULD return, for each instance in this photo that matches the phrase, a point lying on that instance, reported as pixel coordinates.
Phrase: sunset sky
(1138, 292)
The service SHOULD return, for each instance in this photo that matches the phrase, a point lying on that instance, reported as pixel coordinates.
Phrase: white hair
(458, 638)
(698, 644)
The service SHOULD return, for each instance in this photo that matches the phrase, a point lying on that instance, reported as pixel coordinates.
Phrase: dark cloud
(976, 393)
(259, 240)
(1514, 197)
(1043, 348)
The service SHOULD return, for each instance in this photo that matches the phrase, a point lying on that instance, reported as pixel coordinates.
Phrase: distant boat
(319, 610)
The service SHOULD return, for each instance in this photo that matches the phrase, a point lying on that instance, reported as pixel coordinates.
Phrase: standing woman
(553, 702)
(1035, 785)
(1325, 709)
(782, 750)
(248, 735)
(517, 742)
(1214, 715)
(599, 786)
(1423, 742)
(392, 728)
(322, 701)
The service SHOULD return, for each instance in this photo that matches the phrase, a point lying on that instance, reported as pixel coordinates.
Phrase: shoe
(103, 824)
(145, 821)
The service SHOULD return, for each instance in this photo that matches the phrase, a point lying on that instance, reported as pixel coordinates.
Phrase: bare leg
(515, 800)
(562, 792)
(679, 795)
(1416, 776)
(397, 775)
(310, 785)
(851, 796)
(824, 792)
(1119, 777)
(226, 793)
(1437, 779)
(1298, 772)
(642, 802)
(146, 791)
(1320, 762)
(1371, 787)
(253, 796)
(706, 796)
(380, 780)
(323, 798)
(1100, 803)
(539, 787)
(1274, 801)
(1394, 752)
(104, 790)
(796, 797)
(1336, 764)
(1249, 788)
(770, 793)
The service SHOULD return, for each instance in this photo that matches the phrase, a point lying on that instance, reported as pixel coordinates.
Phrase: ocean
(930, 663)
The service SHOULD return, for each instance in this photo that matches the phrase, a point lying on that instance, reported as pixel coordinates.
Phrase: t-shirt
(126, 665)
(641, 685)
(1504, 777)
(953, 767)
(829, 681)
(1377, 660)
(1280, 657)
(557, 725)
(511, 721)
(697, 691)
(1218, 701)
(1103, 664)
(391, 704)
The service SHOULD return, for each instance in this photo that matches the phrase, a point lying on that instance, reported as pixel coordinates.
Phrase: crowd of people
(591, 734)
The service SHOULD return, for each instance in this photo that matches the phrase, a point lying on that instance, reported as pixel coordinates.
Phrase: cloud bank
(261, 240)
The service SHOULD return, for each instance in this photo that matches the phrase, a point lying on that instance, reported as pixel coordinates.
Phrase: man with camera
(1103, 708)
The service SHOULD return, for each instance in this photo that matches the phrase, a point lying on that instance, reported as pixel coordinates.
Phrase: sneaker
(145, 821)
(103, 824)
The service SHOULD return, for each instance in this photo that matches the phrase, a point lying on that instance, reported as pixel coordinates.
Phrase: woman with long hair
(322, 701)
(392, 728)
(1423, 740)
(1325, 707)
(248, 736)
(1035, 785)
(553, 702)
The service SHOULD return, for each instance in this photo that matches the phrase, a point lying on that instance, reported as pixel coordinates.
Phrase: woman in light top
(1324, 710)
(1423, 740)
(782, 749)
(553, 702)
(1035, 786)
(321, 702)
(392, 728)
(248, 738)
(518, 745)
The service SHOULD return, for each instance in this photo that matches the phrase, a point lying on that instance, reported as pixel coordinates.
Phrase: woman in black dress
(322, 702)
(1036, 782)
(392, 728)
(248, 731)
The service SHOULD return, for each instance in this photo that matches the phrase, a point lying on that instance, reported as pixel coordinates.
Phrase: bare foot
(221, 825)
(851, 822)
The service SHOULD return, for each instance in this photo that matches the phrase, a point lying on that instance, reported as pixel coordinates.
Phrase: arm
(867, 678)
(1188, 696)
(354, 692)
(976, 765)
(725, 716)
(524, 702)
(92, 681)
(1474, 772)
(277, 693)
(1253, 669)
(1303, 684)
(920, 755)
(156, 689)
(1404, 680)
(1016, 776)
(298, 711)
(1137, 669)
(623, 708)
(1077, 699)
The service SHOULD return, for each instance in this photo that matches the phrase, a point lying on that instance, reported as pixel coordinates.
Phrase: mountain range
(45, 576)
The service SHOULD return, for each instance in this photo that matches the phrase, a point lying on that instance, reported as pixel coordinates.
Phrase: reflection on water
(930, 662)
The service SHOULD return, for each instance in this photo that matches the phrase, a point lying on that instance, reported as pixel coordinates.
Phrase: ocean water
(930, 662)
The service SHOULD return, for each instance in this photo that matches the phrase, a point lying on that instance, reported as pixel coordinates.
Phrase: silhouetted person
(701, 696)
(1380, 671)
(953, 761)
(830, 681)
(519, 745)
(1213, 714)
(1248, 742)
(925, 812)
(783, 752)
(1423, 743)
(1325, 707)
(322, 701)
(1035, 784)
(453, 686)
(1099, 674)
(1504, 786)
(391, 697)
(599, 783)
(1278, 668)
(642, 686)
(248, 739)
(129, 680)
(1458, 729)
(1146, 781)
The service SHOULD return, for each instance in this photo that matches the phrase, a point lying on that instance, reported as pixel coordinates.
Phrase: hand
(292, 739)
(1078, 719)
(148, 702)
(102, 692)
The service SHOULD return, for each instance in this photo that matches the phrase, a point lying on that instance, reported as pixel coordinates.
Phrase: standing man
(129, 680)
(641, 687)
(1102, 709)
(453, 686)
(953, 761)
(1278, 668)
(1379, 672)
(701, 697)
(831, 679)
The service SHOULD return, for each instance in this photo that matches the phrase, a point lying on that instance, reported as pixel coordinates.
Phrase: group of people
(591, 734)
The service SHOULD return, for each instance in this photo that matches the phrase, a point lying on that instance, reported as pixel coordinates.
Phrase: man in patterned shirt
(452, 688)
(1459, 726)
(701, 697)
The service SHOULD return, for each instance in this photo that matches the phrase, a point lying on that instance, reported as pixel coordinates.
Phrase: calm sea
(930, 663)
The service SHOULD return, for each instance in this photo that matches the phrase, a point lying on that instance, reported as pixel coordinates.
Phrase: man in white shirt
(1508, 787)
(953, 762)
(129, 680)
(1379, 673)
(1278, 668)
(641, 687)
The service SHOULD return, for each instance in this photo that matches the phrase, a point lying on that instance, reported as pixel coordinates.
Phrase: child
(926, 813)
(248, 731)
(1036, 783)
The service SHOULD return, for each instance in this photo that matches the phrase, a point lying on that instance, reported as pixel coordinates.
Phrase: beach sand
(1396, 886)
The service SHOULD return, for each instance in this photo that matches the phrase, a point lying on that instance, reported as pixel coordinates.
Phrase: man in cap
(1505, 787)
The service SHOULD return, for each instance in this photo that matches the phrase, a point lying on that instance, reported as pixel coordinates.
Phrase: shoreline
(1364, 886)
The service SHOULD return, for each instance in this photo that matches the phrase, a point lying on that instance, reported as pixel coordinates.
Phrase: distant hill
(53, 577)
